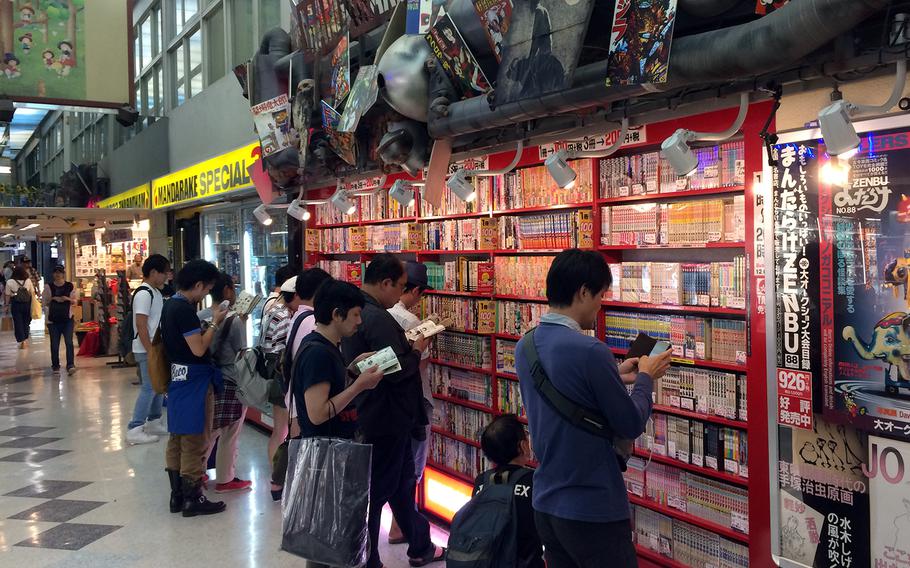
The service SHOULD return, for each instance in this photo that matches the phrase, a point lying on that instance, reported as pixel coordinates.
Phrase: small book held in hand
(246, 303)
(385, 359)
(428, 328)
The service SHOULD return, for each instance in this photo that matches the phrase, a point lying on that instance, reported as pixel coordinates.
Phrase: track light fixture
(461, 186)
(558, 164)
(676, 148)
(402, 192)
(297, 209)
(834, 120)
(262, 215)
(342, 202)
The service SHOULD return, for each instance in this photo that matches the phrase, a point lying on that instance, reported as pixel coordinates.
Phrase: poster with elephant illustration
(889, 488)
(865, 289)
(69, 51)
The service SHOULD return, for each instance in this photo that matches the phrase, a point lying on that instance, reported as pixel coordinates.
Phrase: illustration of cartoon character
(26, 15)
(790, 536)
(67, 57)
(890, 343)
(903, 210)
(11, 66)
(25, 42)
(281, 119)
(900, 550)
(897, 273)
(50, 62)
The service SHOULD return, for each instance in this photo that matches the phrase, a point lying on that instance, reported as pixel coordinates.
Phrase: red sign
(794, 398)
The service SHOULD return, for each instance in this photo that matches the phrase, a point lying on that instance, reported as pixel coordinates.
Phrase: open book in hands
(428, 328)
(385, 359)
(246, 303)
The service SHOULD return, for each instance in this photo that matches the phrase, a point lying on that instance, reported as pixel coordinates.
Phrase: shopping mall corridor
(73, 493)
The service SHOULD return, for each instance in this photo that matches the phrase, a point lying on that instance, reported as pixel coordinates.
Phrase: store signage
(796, 262)
(136, 198)
(362, 184)
(111, 236)
(216, 176)
(415, 236)
(311, 240)
(358, 238)
(635, 136)
(85, 238)
(585, 229)
(470, 164)
(489, 234)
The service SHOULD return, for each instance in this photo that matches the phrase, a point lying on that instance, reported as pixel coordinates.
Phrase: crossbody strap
(133, 310)
(587, 419)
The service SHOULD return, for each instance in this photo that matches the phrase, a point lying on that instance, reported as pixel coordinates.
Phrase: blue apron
(186, 396)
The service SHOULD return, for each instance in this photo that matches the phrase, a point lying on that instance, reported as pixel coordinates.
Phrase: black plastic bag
(326, 501)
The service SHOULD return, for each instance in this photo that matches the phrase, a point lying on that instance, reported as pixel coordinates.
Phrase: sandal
(433, 557)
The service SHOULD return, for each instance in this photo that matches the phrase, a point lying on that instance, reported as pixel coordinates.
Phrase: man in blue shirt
(580, 503)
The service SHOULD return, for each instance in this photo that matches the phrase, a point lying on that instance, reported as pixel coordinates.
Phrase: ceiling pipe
(770, 43)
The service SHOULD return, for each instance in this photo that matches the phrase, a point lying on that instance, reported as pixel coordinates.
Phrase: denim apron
(186, 396)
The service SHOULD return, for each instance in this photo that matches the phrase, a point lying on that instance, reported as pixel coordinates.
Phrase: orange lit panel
(444, 495)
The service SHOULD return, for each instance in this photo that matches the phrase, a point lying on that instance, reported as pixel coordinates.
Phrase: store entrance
(188, 231)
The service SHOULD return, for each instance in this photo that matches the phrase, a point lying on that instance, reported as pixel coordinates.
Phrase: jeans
(64, 329)
(579, 544)
(22, 319)
(148, 404)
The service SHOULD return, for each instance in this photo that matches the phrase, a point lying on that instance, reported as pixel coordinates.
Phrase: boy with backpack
(499, 515)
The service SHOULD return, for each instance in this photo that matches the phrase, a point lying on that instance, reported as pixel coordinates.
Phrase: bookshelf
(490, 232)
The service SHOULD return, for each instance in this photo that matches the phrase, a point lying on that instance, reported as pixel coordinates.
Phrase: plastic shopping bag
(326, 501)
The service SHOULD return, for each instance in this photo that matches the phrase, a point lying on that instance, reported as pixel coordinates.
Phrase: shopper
(32, 272)
(281, 276)
(416, 285)
(193, 378)
(227, 421)
(308, 282)
(146, 425)
(134, 271)
(390, 413)
(20, 293)
(273, 339)
(582, 510)
(319, 378)
(8, 268)
(59, 297)
(505, 443)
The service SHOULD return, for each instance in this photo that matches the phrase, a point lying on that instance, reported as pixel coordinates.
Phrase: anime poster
(824, 495)
(889, 487)
(495, 16)
(541, 50)
(343, 143)
(640, 42)
(273, 125)
(796, 260)
(317, 24)
(453, 54)
(419, 14)
(763, 7)
(341, 71)
(363, 97)
(865, 289)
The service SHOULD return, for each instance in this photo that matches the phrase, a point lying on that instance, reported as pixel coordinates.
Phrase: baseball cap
(290, 285)
(417, 275)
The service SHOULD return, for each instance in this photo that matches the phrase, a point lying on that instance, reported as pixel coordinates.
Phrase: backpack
(128, 332)
(248, 371)
(22, 295)
(484, 532)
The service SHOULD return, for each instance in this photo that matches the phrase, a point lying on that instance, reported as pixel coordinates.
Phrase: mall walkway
(73, 493)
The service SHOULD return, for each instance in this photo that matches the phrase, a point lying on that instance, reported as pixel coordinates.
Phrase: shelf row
(507, 252)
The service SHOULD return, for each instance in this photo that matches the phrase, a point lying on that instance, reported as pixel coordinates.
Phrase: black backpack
(22, 295)
(484, 532)
(128, 331)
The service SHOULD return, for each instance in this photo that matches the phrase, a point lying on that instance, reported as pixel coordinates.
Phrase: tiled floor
(69, 482)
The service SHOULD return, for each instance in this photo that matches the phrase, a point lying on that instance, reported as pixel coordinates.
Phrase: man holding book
(580, 502)
(391, 412)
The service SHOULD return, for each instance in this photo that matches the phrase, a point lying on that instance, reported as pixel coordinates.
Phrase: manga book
(343, 143)
(341, 71)
(640, 42)
(456, 59)
(495, 17)
(363, 97)
(273, 125)
(419, 13)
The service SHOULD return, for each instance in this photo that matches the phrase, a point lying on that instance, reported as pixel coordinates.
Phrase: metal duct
(707, 8)
(771, 43)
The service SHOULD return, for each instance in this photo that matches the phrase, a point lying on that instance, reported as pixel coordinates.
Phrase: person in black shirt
(324, 403)
(190, 397)
(505, 443)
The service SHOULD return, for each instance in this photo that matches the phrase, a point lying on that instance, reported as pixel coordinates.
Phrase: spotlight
(836, 172)
(262, 215)
(461, 187)
(298, 211)
(402, 193)
(341, 202)
(560, 171)
(127, 116)
(676, 148)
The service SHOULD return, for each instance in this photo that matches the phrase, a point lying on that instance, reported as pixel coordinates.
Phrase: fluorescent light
(262, 215)
(278, 233)
(6, 169)
(7, 236)
(30, 226)
(560, 170)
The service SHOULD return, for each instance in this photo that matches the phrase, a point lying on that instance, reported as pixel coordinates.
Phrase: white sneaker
(155, 427)
(138, 435)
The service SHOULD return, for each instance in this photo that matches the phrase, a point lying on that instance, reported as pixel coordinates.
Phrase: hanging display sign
(866, 290)
(635, 136)
(216, 176)
(136, 198)
(796, 277)
(272, 121)
(470, 164)
(640, 42)
(110, 236)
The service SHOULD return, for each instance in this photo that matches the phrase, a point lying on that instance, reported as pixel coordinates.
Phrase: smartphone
(659, 348)
(225, 305)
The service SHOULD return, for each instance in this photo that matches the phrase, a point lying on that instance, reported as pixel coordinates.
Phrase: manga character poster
(456, 59)
(341, 71)
(273, 124)
(495, 17)
(342, 143)
(363, 97)
(865, 289)
(640, 42)
(889, 486)
(541, 50)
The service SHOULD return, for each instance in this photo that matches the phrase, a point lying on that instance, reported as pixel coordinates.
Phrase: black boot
(176, 491)
(194, 501)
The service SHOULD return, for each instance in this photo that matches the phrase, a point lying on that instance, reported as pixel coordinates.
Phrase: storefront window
(241, 31)
(266, 250)
(221, 242)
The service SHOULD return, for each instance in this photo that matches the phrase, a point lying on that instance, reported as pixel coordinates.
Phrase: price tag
(744, 471)
(704, 300)
(624, 191)
(665, 546)
(687, 403)
(682, 456)
(698, 459)
(670, 297)
(677, 503)
(714, 236)
(740, 357)
(678, 351)
(739, 522)
(699, 349)
(674, 401)
(654, 542)
(660, 449)
(711, 462)
(638, 188)
(731, 467)
(651, 186)
(650, 239)
(637, 488)
(649, 442)
(743, 415)
(702, 404)
(736, 303)
(682, 184)
(712, 172)
(671, 447)
(644, 297)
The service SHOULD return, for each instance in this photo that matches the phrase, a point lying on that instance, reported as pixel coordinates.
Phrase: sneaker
(71, 371)
(55, 369)
(233, 485)
(155, 427)
(138, 435)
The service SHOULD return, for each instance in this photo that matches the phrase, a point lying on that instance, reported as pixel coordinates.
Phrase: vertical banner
(796, 277)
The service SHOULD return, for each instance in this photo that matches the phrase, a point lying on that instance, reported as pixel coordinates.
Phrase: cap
(290, 285)
(417, 275)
